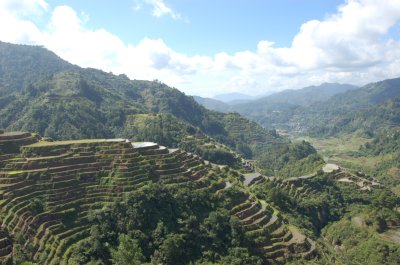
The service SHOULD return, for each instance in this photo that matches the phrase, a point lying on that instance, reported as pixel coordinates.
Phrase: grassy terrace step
(241, 207)
(77, 177)
(68, 253)
(165, 157)
(273, 247)
(61, 239)
(131, 182)
(53, 161)
(5, 244)
(9, 204)
(195, 176)
(279, 233)
(44, 227)
(23, 221)
(45, 235)
(257, 218)
(7, 136)
(274, 255)
(254, 208)
(171, 171)
(68, 242)
(175, 180)
(273, 224)
(260, 223)
(166, 160)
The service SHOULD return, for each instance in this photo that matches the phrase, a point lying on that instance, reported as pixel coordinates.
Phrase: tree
(128, 252)
(172, 251)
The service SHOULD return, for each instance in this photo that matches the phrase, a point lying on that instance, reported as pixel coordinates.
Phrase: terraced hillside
(352, 211)
(49, 189)
(40, 92)
(167, 130)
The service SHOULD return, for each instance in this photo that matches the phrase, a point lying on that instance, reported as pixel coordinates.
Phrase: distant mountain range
(319, 110)
(274, 102)
(213, 104)
(233, 97)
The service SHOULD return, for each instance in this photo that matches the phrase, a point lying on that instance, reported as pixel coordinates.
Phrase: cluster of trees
(166, 225)
(350, 220)
(329, 202)
(285, 160)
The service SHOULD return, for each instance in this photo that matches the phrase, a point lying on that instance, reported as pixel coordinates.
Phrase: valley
(96, 168)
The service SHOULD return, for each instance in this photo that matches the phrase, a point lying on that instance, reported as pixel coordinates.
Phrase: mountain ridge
(77, 103)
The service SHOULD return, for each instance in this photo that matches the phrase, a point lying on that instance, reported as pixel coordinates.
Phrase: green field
(341, 150)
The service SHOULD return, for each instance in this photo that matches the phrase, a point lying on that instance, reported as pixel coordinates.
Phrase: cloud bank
(353, 45)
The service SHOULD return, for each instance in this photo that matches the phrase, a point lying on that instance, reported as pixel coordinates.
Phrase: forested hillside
(357, 129)
(63, 101)
(321, 113)
(186, 199)
(110, 201)
(213, 104)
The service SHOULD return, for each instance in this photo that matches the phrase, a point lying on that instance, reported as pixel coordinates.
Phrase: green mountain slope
(343, 108)
(21, 65)
(275, 111)
(76, 103)
(304, 96)
(306, 111)
(213, 104)
(358, 130)
(110, 201)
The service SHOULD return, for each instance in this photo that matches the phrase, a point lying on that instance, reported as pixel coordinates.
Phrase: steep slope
(329, 110)
(170, 131)
(276, 109)
(356, 216)
(76, 103)
(213, 104)
(367, 120)
(319, 117)
(305, 96)
(68, 202)
(21, 65)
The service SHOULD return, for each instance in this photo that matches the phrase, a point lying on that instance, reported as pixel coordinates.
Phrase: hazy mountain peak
(228, 97)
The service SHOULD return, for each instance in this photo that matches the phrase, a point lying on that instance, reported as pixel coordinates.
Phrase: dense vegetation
(62, 101)
(167, 130)
(355, 225)
(348, 109)
(370, 113)
(106, 202)
(116, 202)
(166, 225)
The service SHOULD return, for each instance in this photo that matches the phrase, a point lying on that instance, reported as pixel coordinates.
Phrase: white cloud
(14, 25)
(23, 7)
(159, 8)
(350, 46)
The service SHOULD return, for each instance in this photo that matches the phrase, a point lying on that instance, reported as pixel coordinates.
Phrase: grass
(69, 142)
(14, 172)
(12, 133)
(341, 150)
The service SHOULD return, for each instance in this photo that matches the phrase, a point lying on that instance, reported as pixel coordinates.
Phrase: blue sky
(205, 27)
(210, 47)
